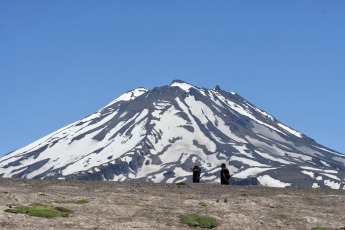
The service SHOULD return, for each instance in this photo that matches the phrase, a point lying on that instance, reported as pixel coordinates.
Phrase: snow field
(226, 130)
(114, 147)
(253, 171)
(244, 112)
(340, 159)
(332, 184)
(269, 157)
(315, 185)
(64, 135)
(273, 149)
(292, 131)
(266, 180)
(131, 95)
(184, 86)
(311, 174)
(247, 161)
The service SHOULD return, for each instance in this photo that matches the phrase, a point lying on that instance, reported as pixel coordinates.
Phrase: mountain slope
(157, 135)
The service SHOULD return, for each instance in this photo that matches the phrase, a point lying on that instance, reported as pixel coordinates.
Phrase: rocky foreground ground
(114, 205)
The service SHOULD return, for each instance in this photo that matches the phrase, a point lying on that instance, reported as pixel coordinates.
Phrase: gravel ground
(114, 205)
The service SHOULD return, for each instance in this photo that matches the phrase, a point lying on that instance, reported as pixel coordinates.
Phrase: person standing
(224, 175)
(196, 174)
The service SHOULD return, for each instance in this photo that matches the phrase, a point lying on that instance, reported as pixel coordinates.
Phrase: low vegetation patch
(91, 187)
(71, 201)
(181, 183)
(202, 204)
(33, 204)
(242, 210)
(46, 211)
(196, 220)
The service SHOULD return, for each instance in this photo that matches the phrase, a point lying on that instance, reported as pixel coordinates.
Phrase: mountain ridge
(156, 135)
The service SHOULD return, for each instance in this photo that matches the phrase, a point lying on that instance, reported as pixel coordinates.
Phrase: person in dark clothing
(196, 174)
(224, 175)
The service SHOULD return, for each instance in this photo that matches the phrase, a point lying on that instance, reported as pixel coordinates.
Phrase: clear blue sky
(63, 60)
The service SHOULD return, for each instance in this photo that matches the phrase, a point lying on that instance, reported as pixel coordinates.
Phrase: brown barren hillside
(114, 205)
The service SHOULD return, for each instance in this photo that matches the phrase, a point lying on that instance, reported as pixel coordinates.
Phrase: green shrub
(181, 183)
(225, 200)
(195, 220)
(46, 211)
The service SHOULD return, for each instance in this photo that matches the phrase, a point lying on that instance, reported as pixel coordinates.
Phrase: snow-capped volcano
(158, 135)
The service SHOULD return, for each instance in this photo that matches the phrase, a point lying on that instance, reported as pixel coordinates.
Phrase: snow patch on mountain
(340, 159)
(183, 85)
(271, 148)
(266, 180)
(332, 184)
(331, 176)
(315, 185)
(227, 131)
(310, 168)
(327, 150)
(269, 157)
(325, 163)
(131, 95)
(251, 172)
(311, 174)
(294, 132)
(247, 161)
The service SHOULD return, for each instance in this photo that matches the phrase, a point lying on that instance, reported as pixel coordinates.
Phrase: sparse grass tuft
(202, 204)
(36, 204)
(91, 187)
(242, 210)
(71, 201)
(225, 200)
(46, 211)
(309, 199)
(217, 200)
(195, 220)
(181, 183)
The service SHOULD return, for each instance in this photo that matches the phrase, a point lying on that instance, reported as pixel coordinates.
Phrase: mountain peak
(130, 95)
(177, 81)
(183, 85)
(217, 88)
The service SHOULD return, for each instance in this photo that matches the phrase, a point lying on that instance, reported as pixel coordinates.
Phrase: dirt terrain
(114, 205)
